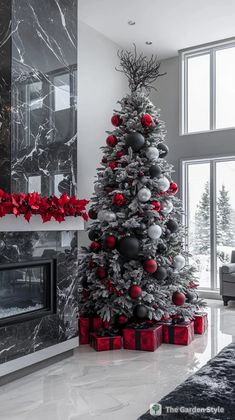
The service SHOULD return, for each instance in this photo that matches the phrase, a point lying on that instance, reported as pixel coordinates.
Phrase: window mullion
(213, 223)
(213, 89)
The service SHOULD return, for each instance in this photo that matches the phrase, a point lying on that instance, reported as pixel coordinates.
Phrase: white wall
(218, 143)
(100, 87)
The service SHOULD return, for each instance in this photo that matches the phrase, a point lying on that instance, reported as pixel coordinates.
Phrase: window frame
(212, 161)
(184, 56)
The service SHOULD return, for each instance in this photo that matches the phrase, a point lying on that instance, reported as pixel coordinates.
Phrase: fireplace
(27, 290)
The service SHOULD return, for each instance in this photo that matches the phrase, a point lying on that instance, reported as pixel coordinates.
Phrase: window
(208, 87)
(209, 204)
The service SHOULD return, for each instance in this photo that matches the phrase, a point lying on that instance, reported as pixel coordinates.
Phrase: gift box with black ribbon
(106, 339)
(145, 337)
(182, 333)
(200, 323)
(86, 326)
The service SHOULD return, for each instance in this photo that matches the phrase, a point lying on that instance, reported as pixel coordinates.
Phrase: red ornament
(146, 120)
(156, 205)
(150, 266)
(122, 319)
(95, 246)
(173, 188)
(92, 264)
(104, 159)
(111, 141)
(110, 241)
(101, 272)
(92, 214)
(120, 153)
(112, 164)
(178, 298)
(118, 199)
(135, 291)
(116, 120)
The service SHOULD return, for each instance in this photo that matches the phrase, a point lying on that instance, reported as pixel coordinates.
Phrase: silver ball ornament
(98, 188)
(109, 216)
(163, 184)
(144, 195)
(152, 153)
(179, 262)
(154, 232)
(166, 207)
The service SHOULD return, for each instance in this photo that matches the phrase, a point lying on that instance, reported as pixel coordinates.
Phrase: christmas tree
(135, 268)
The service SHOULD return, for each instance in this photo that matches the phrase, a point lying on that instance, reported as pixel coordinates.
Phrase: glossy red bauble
(110, 241)
(178, 298)
(122, 319)
(112, 164)
(150, 266)
(92, 264)
(173, 188)
(111, 141)
(146, 120)
(120, 153)
(156, 205)
(116, 120)
(95, 246)
(101, 272)
(135, 291)
(118, 199)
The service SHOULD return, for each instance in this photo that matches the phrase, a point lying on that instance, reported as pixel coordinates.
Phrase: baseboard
(34, 359)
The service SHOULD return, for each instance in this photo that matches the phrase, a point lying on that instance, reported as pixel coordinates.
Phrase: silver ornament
(154, 232)
(152, 153)
(100, 215)
(109, 216)
(166, 207)
(163, 184)
(98, 188)
(179, 262)
(144, 195)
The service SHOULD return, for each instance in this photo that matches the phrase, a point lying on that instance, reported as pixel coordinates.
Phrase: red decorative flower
(116, 120)
(146, 120)
(118, 199)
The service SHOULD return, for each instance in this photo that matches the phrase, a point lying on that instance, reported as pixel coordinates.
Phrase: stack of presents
(147, 336)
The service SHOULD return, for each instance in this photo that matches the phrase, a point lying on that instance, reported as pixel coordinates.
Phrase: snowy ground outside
(5, 313)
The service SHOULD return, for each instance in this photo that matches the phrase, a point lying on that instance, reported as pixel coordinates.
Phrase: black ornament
(135, 140)
(160, 274)
(92, 214)
(84, 283)
(140, 231)
(140, 312)
(154, 171)
(162, 248)
(128, 247)
(93, 234)
(163, 149)
(190, 296)
(172, 225)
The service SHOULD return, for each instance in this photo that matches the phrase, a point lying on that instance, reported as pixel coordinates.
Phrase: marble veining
(117, 384)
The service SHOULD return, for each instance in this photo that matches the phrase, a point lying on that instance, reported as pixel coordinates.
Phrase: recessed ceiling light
(148, 42)
(131, 22)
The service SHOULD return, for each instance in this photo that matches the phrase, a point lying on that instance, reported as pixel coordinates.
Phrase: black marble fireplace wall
(38, 150)
(38, 84)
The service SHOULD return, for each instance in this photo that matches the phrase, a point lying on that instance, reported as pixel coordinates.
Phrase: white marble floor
(115, 385)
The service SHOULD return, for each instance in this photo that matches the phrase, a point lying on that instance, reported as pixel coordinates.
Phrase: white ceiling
(170, 24)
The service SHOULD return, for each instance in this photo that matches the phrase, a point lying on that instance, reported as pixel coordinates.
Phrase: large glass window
(209, 204)
(208, 87)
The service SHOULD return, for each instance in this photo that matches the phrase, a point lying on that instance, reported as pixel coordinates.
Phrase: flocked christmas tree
(135, 267)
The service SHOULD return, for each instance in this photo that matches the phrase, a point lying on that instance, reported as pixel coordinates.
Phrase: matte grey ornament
(172, 225)
(154, 171)
(144, 195)
(128, 247)
(160, 274)
(106, 216)
(135, 140)
(140, 312)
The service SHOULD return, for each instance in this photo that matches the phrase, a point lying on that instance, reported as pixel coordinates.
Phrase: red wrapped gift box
(86, 326)
(182, 334)
(105, 343)
(200, 323)
(145, 339)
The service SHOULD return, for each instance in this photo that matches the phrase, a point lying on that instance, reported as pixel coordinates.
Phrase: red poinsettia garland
(48, 207)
